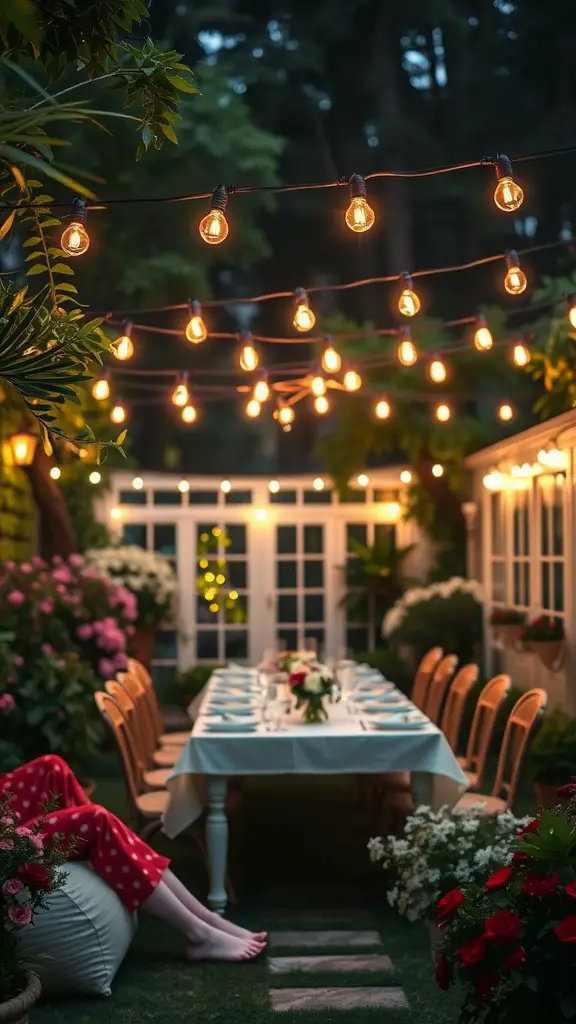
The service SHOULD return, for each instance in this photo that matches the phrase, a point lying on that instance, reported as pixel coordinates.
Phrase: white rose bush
(442, 850)
(448, 614)
(147, 575)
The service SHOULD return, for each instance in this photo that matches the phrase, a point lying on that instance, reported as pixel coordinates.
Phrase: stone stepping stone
(286, 999)
(325, 939)
(361, 962)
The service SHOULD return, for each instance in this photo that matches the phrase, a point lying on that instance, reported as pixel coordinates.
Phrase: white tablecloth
(340, 746)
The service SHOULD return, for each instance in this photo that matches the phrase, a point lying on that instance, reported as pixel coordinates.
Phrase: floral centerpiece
(510, 942)
(29, 872)
(544, 636)
(288, 659)
(440, 850)
(310, 682)
(451, 610)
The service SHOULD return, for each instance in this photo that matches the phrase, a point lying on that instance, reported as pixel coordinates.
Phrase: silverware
(363, 724)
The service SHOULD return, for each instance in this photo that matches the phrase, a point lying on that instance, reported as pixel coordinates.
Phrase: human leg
(206, 915)
(45, 778)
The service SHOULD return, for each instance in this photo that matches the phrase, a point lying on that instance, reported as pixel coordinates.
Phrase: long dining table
(345, 744)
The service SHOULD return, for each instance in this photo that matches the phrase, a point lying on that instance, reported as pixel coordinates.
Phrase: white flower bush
(442, 850)
(148, 575)
(416, 595)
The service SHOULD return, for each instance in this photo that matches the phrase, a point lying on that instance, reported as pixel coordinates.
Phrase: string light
(181, 394)
(437, 470)
(123, 347)
(359, 216)
(321, 405)
(331, 359)
(318, 385)
(273, 487)
(225, 487)
(262, 389)
(571, 303)
(352, 380)
(55, 472)
(101, 388)
(408, 300)
(137, 483)
(505, 412)
(95, 477)
(196, 330)
(75, 239)
(214, 226)
(183, 486)
(189, 413)
(304, 318)
(382, 409)
(515, 280)
(318, 484)
(443, 412)
(482, 335)
(253, 408)
(508, 195)
(248, 355)
(118, 414)
(437, 371)
(285, 415)
(407, 352)
(494, 480)
(520, 354)
(362, 480)
(405, 476)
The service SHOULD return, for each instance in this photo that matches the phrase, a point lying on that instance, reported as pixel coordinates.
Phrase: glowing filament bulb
(253, 408)
(261, 390)
(437, 371)
(181, 395)
(505, 412)
(382, 409)
(437, 470)
(189, 414)
(123, 347)
(508, 195)
(408, 300)
(75, 239)
(443, 412)
(118, 414)
(520, 354)
(304, 318)
(482, 335)
(214, 226)
(352, 380)
(571, 303)
(359, 215)
(248, 356)
(515, 280)
(318, 385)
(196, 331)
(407, 352)
(286, 415)
(321, 405)
(331, 359)
(101, 389)
(405, 476)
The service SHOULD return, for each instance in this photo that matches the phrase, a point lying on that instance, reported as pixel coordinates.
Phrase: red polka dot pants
(126, 863)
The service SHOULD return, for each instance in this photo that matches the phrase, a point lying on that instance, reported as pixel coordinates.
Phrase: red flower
(566, 930)
(540, 885)
(519, 857)
(567, 791)
(503, 926)
(485, 985)
(297, 678)
(570, 890)
(499, 879)
(473, 952)
(449, 904)
(443, 973)
(35, 876)
(516, 959)
(531, 828)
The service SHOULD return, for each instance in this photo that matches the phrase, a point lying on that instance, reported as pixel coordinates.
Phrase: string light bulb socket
(248, 355)
(304, 318)
(482, 335)
(408, 300)
(571, 304)
(359, 215)
(123, 347)
(515, 280)
(214, 226)
(407, 353)
(331, 358)
(508, 194)
(75, 239)
(196, 331)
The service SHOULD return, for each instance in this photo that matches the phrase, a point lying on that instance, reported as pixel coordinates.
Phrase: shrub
(148, 576)
(553, 753)
(188, 684)
(449, 613)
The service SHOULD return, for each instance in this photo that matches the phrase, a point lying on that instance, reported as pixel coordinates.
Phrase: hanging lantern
(23, 446)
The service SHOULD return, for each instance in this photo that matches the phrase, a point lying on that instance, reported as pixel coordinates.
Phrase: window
(222, 602)
(520, 516)
(550, 491)
(300, 581)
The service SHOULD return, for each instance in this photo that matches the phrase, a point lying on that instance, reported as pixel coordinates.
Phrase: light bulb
(304, 318)
(443, 412)
(189, 414)
(515, 280)
(101, 389)
(482, 335)
(508, 195)
(118, 414)
(505, 412)
(571, 303)
(183, 486)
(55, 472)
(75, 238)
(352, 380)
(286, 415)
(137, 483)
(362, 480)
(437, 371)
(318, 484)
(520, 354)
(321, 404)
(253, 408)
(261, 390)
(226, 487)
(273, 487)
(180, 395)
(214, 226)
(407, 352)
(383, 409)
(437, 470)
(318, 385)
(405, 476)
(408, 300)
(123, 347)
(331, 359)
(196, 330)
(359, 216)
(95, 477)
(248, 357)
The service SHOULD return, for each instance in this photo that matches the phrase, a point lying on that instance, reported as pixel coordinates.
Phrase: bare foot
(229, 928)
(217, 945)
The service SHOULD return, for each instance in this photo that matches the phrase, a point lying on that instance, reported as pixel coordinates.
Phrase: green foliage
(374, 577)
(553, 752)
(188, 684)
(455, 621)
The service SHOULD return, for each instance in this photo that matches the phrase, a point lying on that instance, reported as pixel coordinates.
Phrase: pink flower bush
(7, 702)
(16, 598)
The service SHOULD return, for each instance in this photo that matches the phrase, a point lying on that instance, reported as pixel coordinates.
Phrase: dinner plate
(382, 709)
(397, 723)
(230, 724)
(233, 691)
(217, 697)
(233, 708)
(378, 694)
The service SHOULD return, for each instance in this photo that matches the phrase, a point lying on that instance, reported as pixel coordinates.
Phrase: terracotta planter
(509, 634)
(545, 794)
(142, 644)
(550, 652)
(15, 1011)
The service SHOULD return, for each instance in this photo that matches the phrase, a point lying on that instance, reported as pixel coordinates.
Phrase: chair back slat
(526, 713)
(143, 714)
(114, 719)
(451, 721)
(424, 674)
(128, 709)
(438, 686)
(135, 668)
(485, 715)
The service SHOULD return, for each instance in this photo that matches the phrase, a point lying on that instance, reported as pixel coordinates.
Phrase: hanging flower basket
(509, 635)
(508, 625)
(550, 652)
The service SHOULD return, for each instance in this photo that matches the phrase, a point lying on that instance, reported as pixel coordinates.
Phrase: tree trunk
(55, 530)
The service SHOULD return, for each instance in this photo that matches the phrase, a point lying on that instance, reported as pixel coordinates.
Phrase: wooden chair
(136, 669)
(485, 714)
(453, 712)
(161, 757)
(438, 686)
(424, 674)
(147, 779)
(525, 714)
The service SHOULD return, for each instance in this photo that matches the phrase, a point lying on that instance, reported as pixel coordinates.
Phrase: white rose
(313, 682)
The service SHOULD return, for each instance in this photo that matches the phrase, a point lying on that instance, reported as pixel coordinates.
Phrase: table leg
(217, 841)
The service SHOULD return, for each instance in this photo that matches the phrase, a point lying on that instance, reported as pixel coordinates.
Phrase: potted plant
(150, 578)
(29, 872)
(374, 579)
(544, 636)
(510, 942)
(508, 625)
(448, 612)
(553, 756)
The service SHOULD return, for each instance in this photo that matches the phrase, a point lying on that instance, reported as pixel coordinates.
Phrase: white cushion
(78, 944)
